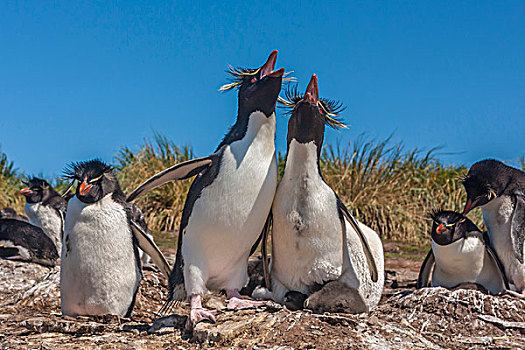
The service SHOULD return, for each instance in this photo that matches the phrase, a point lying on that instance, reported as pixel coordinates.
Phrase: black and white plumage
(21, 240)
(45, 208)
(315, 239)
(230, 198)
(499, 190)
(100, 267)
(460, 254)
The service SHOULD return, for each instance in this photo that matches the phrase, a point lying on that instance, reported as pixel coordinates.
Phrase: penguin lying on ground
(10, 213)
(500, 192)
(230, 198)
(100, 268)
(19, 240)
(45, 209)
(315, 239)
(460, 254)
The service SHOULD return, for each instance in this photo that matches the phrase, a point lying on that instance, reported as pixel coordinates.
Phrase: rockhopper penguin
(229, 200)
(499, 190)
(45, 208)
(315, 239)
(460, 254)
(19, 240)
(100, 268)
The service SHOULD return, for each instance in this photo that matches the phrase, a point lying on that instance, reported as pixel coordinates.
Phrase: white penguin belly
(465, 261)
(229, 215)
(497, 215)
(307, 238)
(47, 219)
(99, 272)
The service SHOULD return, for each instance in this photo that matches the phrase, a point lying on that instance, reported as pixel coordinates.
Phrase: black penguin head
(37, 190)
(449, 226)
(485, 181)
(309, 114)
(258, 88)
(95, 180)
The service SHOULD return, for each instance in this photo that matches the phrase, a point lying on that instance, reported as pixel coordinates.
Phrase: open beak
(440, 229)
(312, 91)
(25, 191)
(469, 206)
(267, 70)
(84, 188)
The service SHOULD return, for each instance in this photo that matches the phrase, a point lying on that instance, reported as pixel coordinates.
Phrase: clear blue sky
(80, 80)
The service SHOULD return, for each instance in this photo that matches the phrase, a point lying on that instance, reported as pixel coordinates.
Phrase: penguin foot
(201, 314)
(237, 302)
(516, 294)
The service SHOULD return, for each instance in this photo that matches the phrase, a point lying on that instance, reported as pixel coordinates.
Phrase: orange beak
(84, 188)
(25, 191)
(440, 229)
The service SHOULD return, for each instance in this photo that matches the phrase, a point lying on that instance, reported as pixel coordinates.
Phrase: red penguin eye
(320, 111)
(253, 80)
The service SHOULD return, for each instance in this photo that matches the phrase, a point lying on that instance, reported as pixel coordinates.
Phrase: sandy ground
(431, 318)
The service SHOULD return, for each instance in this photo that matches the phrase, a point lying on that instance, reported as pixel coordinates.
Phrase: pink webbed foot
(198, 313)
(237, 302)
(201, 314)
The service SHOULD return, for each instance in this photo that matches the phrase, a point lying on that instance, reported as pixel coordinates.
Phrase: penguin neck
(248, 127)
(302, 160)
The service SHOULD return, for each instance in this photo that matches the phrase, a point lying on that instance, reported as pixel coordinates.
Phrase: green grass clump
(10, 184)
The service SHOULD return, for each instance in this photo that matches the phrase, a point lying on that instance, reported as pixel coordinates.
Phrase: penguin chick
(337, 297)
(499, 190)
(45, 208)
(461, 255)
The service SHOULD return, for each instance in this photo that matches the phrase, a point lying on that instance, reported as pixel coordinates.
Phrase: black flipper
(366, 248)
(264, 251)
(517, 230)
(423, 280)
(180, 171)
(149, 247)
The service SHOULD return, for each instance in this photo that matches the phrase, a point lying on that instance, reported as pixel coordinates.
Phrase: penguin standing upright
(460, 254)
(315, 239)
(45, 208)
(229, 200)
(100, 268)
(500, 192)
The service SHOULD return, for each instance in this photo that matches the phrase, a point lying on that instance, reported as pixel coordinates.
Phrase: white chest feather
(497, 215)
(307, 241)
(465, 261)
(47, 219)
(99, 272)
(229, 215)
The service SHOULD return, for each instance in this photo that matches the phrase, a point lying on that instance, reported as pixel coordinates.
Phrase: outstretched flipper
(366, 248)
(180, 171)
(517, 231)
(149, 247)
(423, 280)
